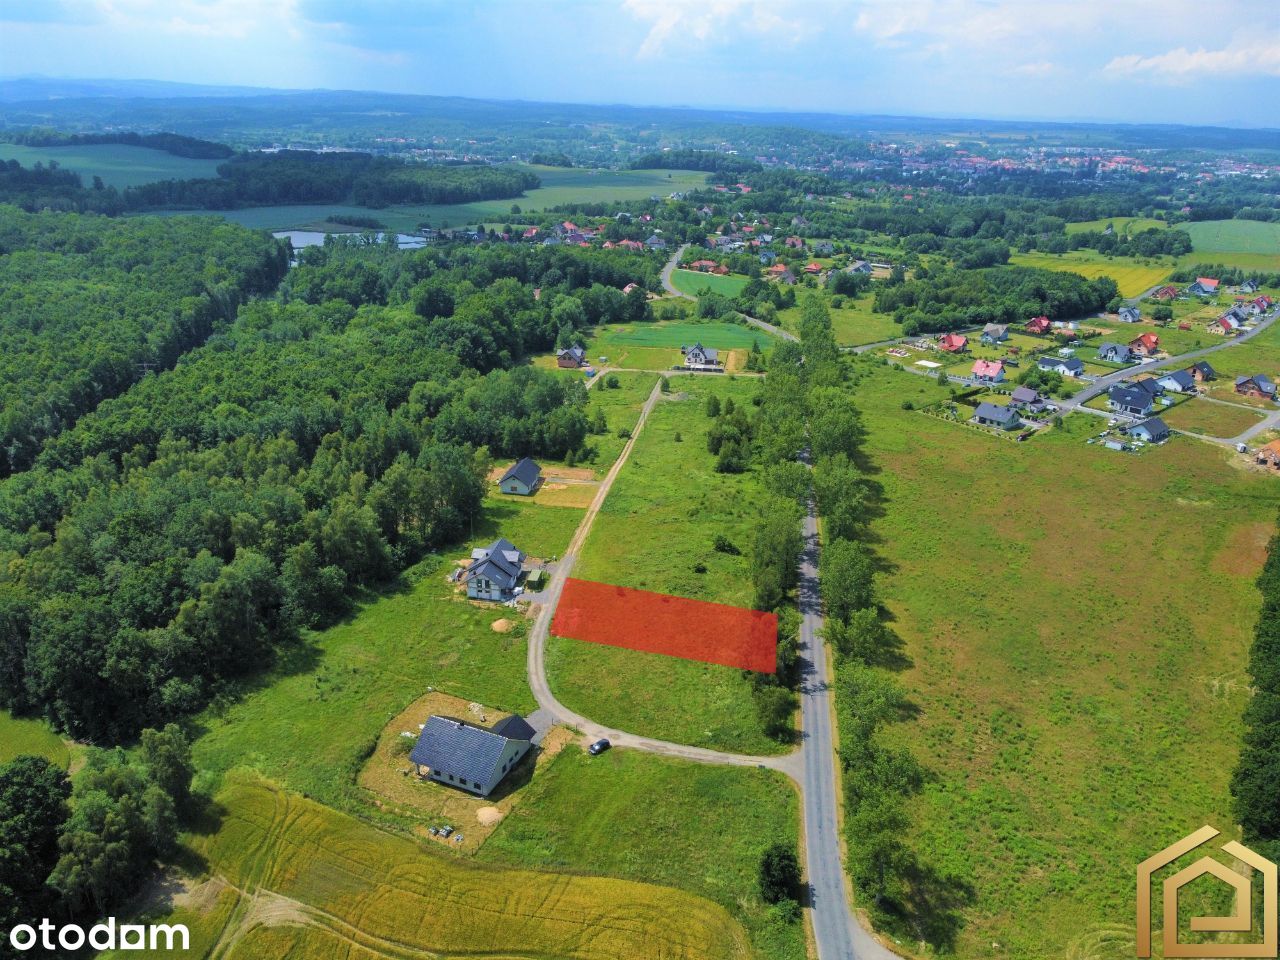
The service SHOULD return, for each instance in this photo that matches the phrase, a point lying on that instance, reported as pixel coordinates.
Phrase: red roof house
(1038, 325)
(1145, 345)
(991, 371)
(953, 342)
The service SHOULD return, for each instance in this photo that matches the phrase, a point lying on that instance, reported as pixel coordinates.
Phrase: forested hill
(176, 537)
(88, 304)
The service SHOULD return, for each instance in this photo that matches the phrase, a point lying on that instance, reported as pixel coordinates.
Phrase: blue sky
(1155, 60)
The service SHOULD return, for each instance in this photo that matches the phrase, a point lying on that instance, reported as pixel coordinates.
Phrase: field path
(671, 288)
(838, 933)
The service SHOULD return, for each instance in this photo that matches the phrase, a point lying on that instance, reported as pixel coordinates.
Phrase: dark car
(599, 747)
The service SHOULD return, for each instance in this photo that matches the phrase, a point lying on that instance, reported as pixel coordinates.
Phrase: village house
(1067, 366)
(767, 256)
(1129, 400)
(1224, 326)
(1025, 398)
(813, 269)
(1256, 386)
(781, 273)
(994, 415)
(522, 478)
(699, 357)
(1203, 287)
(953, 343)
(859, 266)
(626, 291)
(1130, 315)
(1178, 382)
(470, 757)
(1168, 292)
(1153, 430)
(655, 242)
(988, 371)
(824, 248)
(1145, 345)
(572, 357)
(1115, 352)
(995, 333)
(1248, 286)
(1201, 372)
(1268, 455)
(495, 571)
(1038, 325)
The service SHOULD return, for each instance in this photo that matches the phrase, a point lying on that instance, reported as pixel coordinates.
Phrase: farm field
(656, 526)
(1212, 419)
(656, 346)
(692, 281)
(291, 878)
(1258, 354)
(1132, 276)
(559, 186)
(1122, 225)
(1249, 244)
(622, 833)
(1066, 731)
(119, 165)
(19, 735)
(853, 324)
(311, 723)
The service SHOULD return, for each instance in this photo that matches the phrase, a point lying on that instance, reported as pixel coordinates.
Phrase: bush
(779, 874)
(723, 544)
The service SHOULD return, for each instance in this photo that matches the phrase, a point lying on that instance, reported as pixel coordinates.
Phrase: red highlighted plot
(660, 623)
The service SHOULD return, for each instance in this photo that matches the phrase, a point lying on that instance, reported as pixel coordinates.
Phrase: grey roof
(576, 351)
(1130, 397)
(514, 727)
(1053, 363)
(1025, 395)
(449, 745)
(1156, 428)
(1181, 378)
(996, 328)
(1264, 383)
(992, 411)
(500, 562)
(1204, 368)
(524, 470)
(707, 352)
(1130, 312)
(1120, 350)
(1149, 385)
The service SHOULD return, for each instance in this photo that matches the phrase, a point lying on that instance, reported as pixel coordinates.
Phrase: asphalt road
(812, 766)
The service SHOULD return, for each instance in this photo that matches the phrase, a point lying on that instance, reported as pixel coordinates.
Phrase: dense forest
(176, 537)
(173, 143)
(301, 176)
(88, 304)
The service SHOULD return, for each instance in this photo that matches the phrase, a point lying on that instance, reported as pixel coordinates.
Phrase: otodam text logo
(105, 935)
(1239, 921)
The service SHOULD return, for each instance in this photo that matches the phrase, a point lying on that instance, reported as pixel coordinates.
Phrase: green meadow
(656, 532)
(694, 282)
(1075, 700)
(656, 346)
(1247, 244)
(1123, 226)
(119, 165)
(853, 323)
(19, 735)
(1133, 276)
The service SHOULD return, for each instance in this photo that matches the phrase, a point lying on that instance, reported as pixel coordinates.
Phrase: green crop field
(119, 165)
(1132, 276)
(692, 282)
(656, 526)
(1076, 697)
(1122, 225)
(623, 833)
(1247, 244)
(288, 877)
(309, 723)
(22, 736)
(853, 324)
(1209, 418)
(656, 346)
(559, 186)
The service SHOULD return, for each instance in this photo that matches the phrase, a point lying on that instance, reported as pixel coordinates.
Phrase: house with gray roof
(994, 415)
(571, 357)
(1025, 398)
(1129, 400)
(699, 357)
(1067, 366)
(995, 333)
(1130, 315)
(1115, 352)
(521, 478)
(1153, 430)
(470, 757)
(1178, 382)
(495, 571)
(1256, 386)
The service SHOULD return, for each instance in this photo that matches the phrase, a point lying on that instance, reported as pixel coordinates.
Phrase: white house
(469, 757)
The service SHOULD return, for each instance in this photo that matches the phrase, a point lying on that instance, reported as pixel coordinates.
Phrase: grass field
(1122, 225)
(1231, 236)
(623, 833)
(559, 186)
(656, 346)
(656, 526)
(310, 724)
(119, 165)
(1209, 418)
(22, 736)
(1077, 689)
(853, 324)
(291, 878)
(1132, 276)
(1258, 354)
(691, 282)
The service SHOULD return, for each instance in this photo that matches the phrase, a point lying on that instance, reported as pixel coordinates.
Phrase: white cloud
(212, 19)
(1254, 57)
(1036, 68)
(676, 22)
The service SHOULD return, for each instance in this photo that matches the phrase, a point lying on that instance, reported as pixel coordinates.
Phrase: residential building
(1178, 382)
(953, 343)
(1256, 386)
(470, 757)
(1130, 401)
(994, 415)
(522, 478)
(988, 371)
(1145, 345)
(1201, 372)
(699, 357)
(495, 571)
(572, 357)
(1115, 352)
(1153, 430)
(1130, 315)
(1203, 287)
(995, 333)
(1038, 325)
(1067, 366)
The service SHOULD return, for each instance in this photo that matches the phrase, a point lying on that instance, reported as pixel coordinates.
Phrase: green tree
(779, 873)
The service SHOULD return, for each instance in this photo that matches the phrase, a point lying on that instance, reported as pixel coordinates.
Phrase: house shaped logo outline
(1241, 918)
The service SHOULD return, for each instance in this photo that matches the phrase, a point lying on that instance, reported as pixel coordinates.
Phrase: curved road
(670, 287)
(838, 934)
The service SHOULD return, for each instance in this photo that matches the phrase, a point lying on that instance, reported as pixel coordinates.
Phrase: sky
(1187, 61)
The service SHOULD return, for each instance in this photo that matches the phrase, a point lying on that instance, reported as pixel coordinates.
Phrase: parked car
(599, 747)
